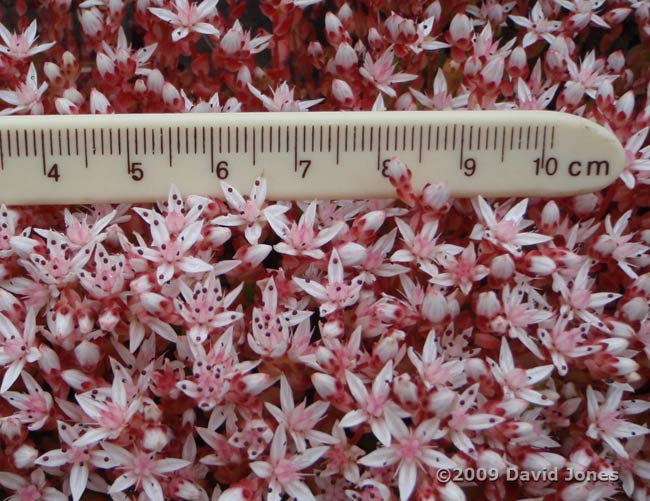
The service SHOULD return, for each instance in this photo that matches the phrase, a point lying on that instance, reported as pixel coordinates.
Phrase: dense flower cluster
(246, 349)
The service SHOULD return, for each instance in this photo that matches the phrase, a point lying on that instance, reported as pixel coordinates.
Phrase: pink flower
(282, 471)
(338, 293)
(537, 26)
(506, 233)
(140, 469)
(300, 239)
(375, 406)
(20, 46)
(27, 97)
(189, 17)
(17, 348)
(605, 419)
(382, 72)
(412, 451)
(283, 99)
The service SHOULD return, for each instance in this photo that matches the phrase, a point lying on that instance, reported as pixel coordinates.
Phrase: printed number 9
(469, 167)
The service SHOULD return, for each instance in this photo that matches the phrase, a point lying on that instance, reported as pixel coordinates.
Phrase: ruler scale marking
(529, 140)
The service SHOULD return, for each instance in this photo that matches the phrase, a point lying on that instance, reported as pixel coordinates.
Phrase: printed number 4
(54, 173)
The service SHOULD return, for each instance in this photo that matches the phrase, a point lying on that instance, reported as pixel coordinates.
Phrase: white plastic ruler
(326, 155)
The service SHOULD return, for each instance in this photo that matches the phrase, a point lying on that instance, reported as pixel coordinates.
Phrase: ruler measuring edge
(54, 159)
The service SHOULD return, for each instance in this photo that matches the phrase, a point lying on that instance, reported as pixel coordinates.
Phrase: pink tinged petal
(152, 489)
(530, 239)
(279, 444)
(286, 396)
(353, 418)
(486, 212)
(7, 328)
(12, 373)
(122, 483)
(327, 234)
(408, 474)
(253, 233)
(12, 481)
(309, 457)
(615, 445)
(53, 458)
(312, 288)
(381, 384)
(462, 441)
(436, 459)
(194, 265)
(381, 430)
(299, 490)
(534, 397)
(164, 273)
(537, 374)
(380, 458)
(482, 421)
(172, 464)
(232, 196)
(335, 268)
(78, 480)
(164, 14)
(261, 468)
(628, 430)
(357, 388)
(91, 437)
(602, 298)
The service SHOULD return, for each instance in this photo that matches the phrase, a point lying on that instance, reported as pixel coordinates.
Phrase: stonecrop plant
(245, 349)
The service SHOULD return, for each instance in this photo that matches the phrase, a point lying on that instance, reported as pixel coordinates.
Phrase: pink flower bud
(98, 103)
(352, 254)
(441, 402)
(472, 66)
(437, 196)
(25, 456)
(315, 49)
(171, 96)
(155, 82)
(405, 389)
(231, 42)
(492, 73)
(334, 30)
(518, 62)
(490, 460)
(434, 307)
(539, 265)
(105, 64)
(244, 77)
(342, 92)
(625, 107)
(325, 385)
(375, 40)
(87, 354)
(11, 429)
(345, 13)
(550, 217)
(155, 439)
(140, 87)
(49, 360)
(52, 72)
(460, 32)
(488, 305)
(584, 205)
(636, 309)
(74, 95)
(108, 320)
(345, 58)
(65, 106)
(405, 102)
(502, 267)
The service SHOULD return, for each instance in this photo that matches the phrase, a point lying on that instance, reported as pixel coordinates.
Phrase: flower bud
(502, 267)
(87, 354)
(105, 64)
(25, 456)
(155, 82)
(550, 217)
(155, 439)
(405, 102)
(518, 63)
(98, 103)
(488, 305)
(460, 32)
(244, 77)
(636, 309)
(52, 72)
(342, 92)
